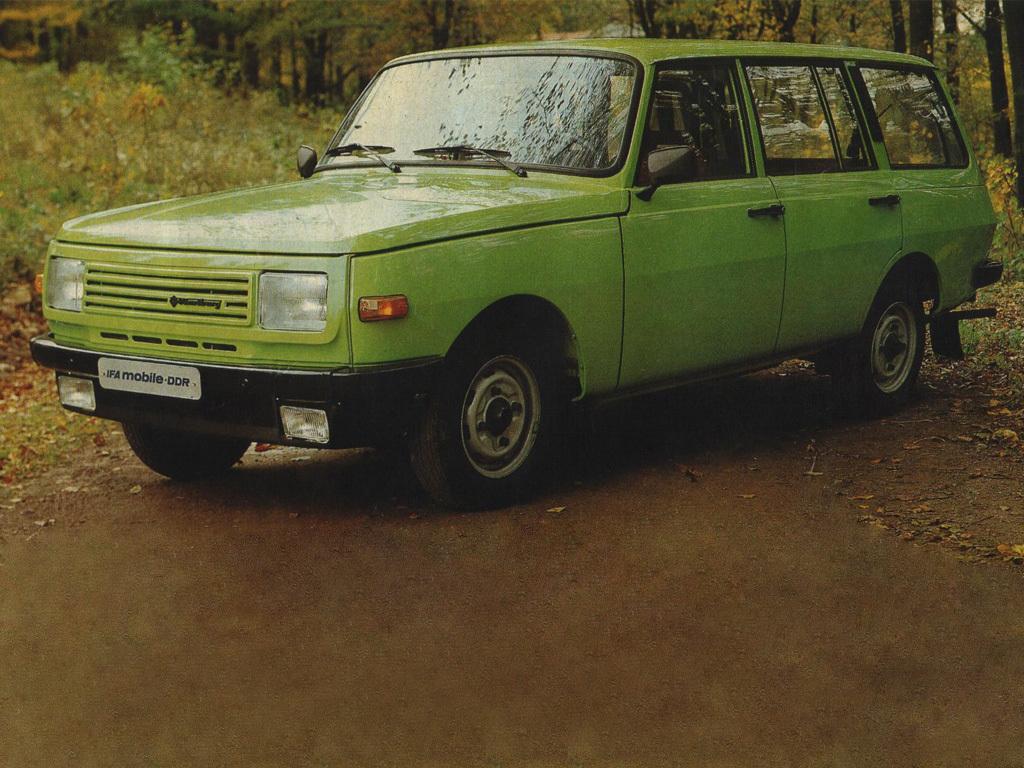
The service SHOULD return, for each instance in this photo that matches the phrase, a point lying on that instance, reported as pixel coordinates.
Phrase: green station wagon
(494, 233)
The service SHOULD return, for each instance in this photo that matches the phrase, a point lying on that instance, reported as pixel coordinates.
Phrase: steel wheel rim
(500, 415)
(893, 347)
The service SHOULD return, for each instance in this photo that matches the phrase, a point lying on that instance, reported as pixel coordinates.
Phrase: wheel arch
(535, 318)
(916, 269)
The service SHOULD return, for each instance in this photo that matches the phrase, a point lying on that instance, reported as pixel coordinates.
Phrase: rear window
(915, 120)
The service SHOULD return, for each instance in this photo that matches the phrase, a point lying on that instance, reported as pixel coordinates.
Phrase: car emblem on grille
(177, 301)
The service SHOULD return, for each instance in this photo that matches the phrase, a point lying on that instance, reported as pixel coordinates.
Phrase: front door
(705, 259)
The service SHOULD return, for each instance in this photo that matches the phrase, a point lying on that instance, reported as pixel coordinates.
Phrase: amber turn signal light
(38, 284)
(373, 308)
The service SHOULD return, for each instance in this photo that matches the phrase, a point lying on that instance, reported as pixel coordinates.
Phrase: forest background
(109, 103)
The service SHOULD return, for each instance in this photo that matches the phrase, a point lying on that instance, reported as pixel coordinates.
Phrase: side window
(794, 127)
(916, 123)
(695, 106)
(854, 154)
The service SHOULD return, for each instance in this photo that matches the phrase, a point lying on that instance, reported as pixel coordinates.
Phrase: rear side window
(915, 120)
(807, 119)
(794, 128)
(695, 106)
(852, 147)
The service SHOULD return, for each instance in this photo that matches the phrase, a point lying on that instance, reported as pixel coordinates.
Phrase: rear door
(703, 278)
(842, 215)
(946, 212)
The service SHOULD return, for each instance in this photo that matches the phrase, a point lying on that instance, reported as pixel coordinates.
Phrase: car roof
(652, 50)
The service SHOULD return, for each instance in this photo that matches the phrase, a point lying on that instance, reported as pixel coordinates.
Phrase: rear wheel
(876, 372)
(485, 436)
(183, 455)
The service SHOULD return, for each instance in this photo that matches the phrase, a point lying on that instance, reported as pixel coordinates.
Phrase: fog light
(76, 393)
(308, 424)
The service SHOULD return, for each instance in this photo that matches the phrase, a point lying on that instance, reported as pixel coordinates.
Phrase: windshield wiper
(457, 151)
(370, 150)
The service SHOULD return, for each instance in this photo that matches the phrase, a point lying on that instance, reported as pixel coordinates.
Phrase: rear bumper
(986, 274)
(365, 406)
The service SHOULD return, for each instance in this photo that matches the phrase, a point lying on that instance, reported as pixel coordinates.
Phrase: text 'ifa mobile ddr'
(494, 233)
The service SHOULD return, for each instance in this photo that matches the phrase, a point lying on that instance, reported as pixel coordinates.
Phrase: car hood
(351, 211)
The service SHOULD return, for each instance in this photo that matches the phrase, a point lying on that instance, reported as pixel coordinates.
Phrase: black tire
(875, 373)
(486, 435)
(183, 455)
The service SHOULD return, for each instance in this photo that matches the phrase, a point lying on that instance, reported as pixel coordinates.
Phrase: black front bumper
(364, 406)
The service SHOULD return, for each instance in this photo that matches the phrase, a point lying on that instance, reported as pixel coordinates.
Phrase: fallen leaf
(747, 495)
(912, 446)
(262, 447)
(135, 489)
(965, 438)
(1005, 436)
(72, 489)
(557, 509)
(876, 461)
(414, 516)
(98, 440)
(864, 497)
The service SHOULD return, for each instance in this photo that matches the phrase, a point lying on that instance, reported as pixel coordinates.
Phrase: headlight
(293, 301)
(65, 281)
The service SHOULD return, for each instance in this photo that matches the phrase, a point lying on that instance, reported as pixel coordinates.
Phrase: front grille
(169, 293)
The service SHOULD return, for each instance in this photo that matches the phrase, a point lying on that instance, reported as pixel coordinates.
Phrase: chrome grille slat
(165, 293)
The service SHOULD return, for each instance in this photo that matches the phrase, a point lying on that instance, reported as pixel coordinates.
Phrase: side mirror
(667, 166)
(306, 161)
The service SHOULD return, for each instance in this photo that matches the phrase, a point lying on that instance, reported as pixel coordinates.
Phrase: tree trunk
(251, 64)
(295, 68)
(951, 33)
(997, 78)
(440, 15)
(316, 58)
(646, 12)
(899, 27)
(1013, 16)
(814, 22)
(922, 28)
(785, 14)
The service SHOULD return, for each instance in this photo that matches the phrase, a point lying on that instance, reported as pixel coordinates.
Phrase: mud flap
(946, 337)
(946, 331)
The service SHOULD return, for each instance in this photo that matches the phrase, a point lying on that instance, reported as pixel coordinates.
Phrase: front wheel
(183, 455)
(878, 370)
(484, 438)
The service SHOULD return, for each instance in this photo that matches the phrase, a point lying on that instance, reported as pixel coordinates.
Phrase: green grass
(98, 139)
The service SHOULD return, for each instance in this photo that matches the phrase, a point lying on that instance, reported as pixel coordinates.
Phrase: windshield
(564, 111)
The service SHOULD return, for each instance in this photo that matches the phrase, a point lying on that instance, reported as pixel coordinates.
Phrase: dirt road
(728, 576)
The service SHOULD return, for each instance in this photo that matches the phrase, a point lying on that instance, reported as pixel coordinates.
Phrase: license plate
(181, 381)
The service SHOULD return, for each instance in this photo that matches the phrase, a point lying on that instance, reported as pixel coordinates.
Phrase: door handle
(888, 201)
(774, 211)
